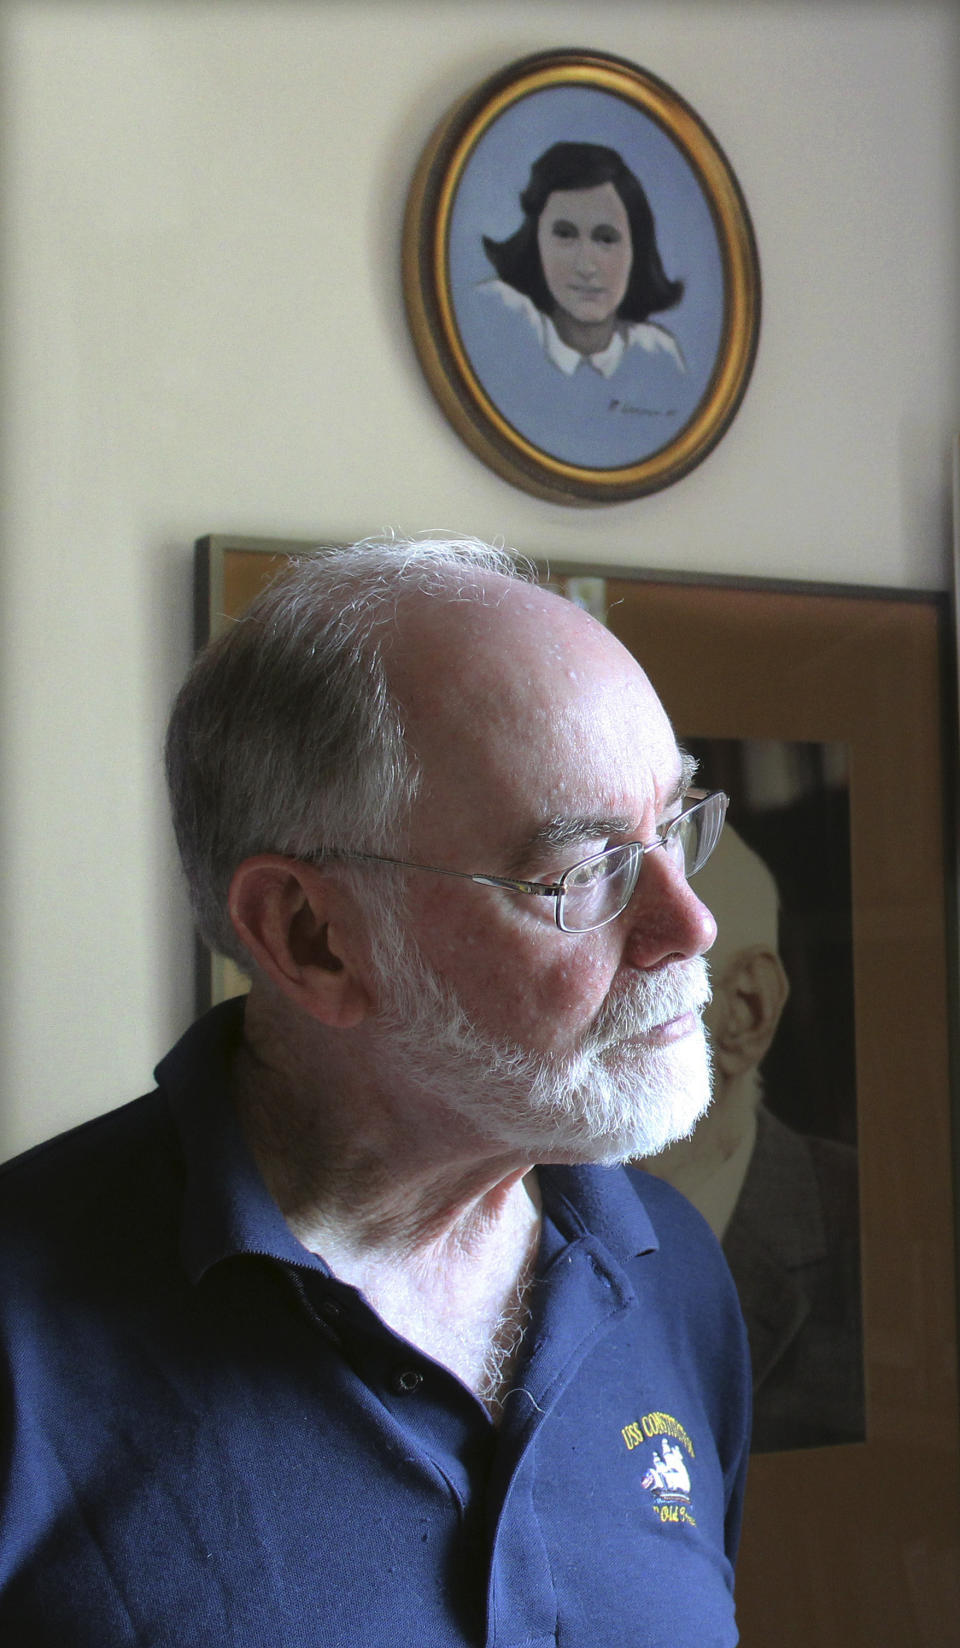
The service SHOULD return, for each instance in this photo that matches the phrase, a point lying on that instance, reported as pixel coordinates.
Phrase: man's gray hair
(286, 737)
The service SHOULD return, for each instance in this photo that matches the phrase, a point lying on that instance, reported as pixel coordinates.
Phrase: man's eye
(594, 870)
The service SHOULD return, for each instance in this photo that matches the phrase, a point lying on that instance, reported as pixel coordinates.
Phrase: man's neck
(463, 1296)
(437, 1229)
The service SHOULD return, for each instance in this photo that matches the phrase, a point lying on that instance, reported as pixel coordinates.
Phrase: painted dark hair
(585, 166)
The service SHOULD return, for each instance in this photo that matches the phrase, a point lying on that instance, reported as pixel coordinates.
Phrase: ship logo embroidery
(668, 1479)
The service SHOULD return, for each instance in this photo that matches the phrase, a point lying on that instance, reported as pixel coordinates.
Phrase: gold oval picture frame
(612, 368)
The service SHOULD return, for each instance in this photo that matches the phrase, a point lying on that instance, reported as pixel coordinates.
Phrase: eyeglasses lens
(596, 891)
(699, 830)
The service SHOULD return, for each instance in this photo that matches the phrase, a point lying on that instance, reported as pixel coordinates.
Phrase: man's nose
(666, 921)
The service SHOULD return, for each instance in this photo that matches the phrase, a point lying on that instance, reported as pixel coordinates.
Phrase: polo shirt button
(405, 1380)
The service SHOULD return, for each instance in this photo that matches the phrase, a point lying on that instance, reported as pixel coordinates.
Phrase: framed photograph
(581, 278)
(228, 573)
(829, 716)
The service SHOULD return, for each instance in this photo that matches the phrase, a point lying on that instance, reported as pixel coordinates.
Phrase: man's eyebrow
(570, 831)
(688, 772)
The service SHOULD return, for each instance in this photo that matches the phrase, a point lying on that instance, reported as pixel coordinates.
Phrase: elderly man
(301, 1348)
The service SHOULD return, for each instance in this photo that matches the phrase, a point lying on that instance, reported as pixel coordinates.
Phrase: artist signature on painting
(627, 407)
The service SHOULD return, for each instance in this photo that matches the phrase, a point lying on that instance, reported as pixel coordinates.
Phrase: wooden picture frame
(568, 384)
(854, 1544)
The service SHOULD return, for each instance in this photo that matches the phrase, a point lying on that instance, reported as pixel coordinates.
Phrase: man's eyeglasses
(599, 888)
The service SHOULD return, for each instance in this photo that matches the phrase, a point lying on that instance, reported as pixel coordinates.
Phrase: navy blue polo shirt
(210, 1440)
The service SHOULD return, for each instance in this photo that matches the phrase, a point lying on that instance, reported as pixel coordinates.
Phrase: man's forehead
(523, 710)
(495, 637)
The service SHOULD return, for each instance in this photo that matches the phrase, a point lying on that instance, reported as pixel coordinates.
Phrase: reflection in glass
(773, 1166)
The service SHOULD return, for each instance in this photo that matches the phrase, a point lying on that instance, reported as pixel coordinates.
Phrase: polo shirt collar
(603, 1202)
(227, 1207)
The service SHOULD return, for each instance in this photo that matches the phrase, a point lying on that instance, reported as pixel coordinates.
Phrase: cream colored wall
(203, 332)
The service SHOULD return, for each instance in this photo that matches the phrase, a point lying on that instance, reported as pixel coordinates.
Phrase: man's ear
(293, 921)
(748, 1000)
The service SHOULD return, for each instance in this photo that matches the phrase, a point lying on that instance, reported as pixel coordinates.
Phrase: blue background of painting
(487, 202)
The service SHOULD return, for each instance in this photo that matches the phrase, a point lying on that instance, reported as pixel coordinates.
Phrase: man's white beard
(615, 1098)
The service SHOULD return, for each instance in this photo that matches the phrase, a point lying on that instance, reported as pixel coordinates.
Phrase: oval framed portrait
(581, 278)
